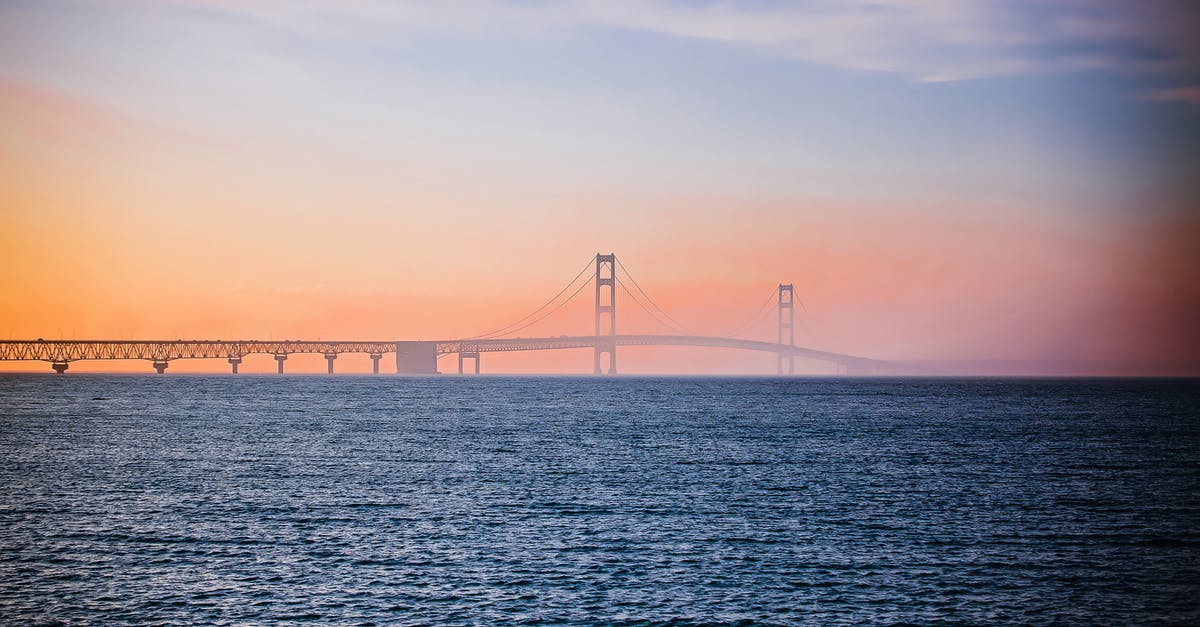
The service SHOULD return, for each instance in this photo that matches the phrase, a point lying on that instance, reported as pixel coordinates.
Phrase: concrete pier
(160, 366)
(416, 357)
(234, 361)
(375, 357)
(329, 357)
(469, 355)
(59, 366)
(280, 359)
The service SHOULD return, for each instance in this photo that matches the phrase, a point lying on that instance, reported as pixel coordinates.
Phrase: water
(260, 499)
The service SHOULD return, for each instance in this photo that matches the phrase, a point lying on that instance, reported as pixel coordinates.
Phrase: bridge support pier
(234, 361)
(59, 366)
(329, 357)
(468, 355)
(375, 357)
(791, 364)
(160, 366)
(416, 358)
(605, 346)
(280, 359)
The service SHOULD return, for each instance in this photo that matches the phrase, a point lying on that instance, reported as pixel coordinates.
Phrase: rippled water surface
(260, 499)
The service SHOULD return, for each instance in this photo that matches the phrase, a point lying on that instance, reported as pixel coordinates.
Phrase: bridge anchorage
(604, 271)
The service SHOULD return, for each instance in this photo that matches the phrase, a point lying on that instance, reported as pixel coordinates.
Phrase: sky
(984, 185)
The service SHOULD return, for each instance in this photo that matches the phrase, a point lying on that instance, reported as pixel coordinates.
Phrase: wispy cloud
(1189, 95)
(926, 40)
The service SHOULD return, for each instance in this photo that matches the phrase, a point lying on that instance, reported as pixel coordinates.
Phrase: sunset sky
(954, 180)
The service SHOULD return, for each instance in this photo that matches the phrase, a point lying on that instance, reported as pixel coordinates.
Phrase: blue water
(444, 500)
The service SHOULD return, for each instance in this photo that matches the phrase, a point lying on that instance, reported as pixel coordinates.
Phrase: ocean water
(462, 500)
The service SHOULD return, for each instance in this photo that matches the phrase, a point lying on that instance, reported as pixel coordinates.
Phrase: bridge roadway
(61, 352)
(589, 341)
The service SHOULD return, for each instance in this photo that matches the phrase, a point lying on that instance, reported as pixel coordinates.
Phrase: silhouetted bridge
(420, 357)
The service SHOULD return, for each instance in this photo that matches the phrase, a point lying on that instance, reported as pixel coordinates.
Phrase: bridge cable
(507, 328)
(764, 308)
(635, 299)
(651, 300)
(547, 314)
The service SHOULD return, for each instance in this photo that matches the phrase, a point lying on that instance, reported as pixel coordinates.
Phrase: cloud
(1190, 95)
(934, 39)
(925, 40)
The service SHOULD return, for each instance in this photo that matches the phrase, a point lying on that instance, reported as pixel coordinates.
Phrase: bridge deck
(165, 350)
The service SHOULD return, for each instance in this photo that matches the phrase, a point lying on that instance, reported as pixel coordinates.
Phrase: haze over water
(190, 499)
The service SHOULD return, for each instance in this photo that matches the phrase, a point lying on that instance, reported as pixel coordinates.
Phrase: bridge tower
(787, 319)
(606, 303)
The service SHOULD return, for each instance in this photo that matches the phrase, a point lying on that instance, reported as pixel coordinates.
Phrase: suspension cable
(762, 309)
(507, 328)
(635, 299)
(651, 300)
(551, 312)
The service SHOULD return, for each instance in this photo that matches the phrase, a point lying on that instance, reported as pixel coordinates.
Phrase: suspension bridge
(421, 357)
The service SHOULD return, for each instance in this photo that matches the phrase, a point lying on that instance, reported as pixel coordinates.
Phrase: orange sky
(120, 225)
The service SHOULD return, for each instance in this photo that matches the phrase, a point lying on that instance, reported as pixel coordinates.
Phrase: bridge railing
(164, 350)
